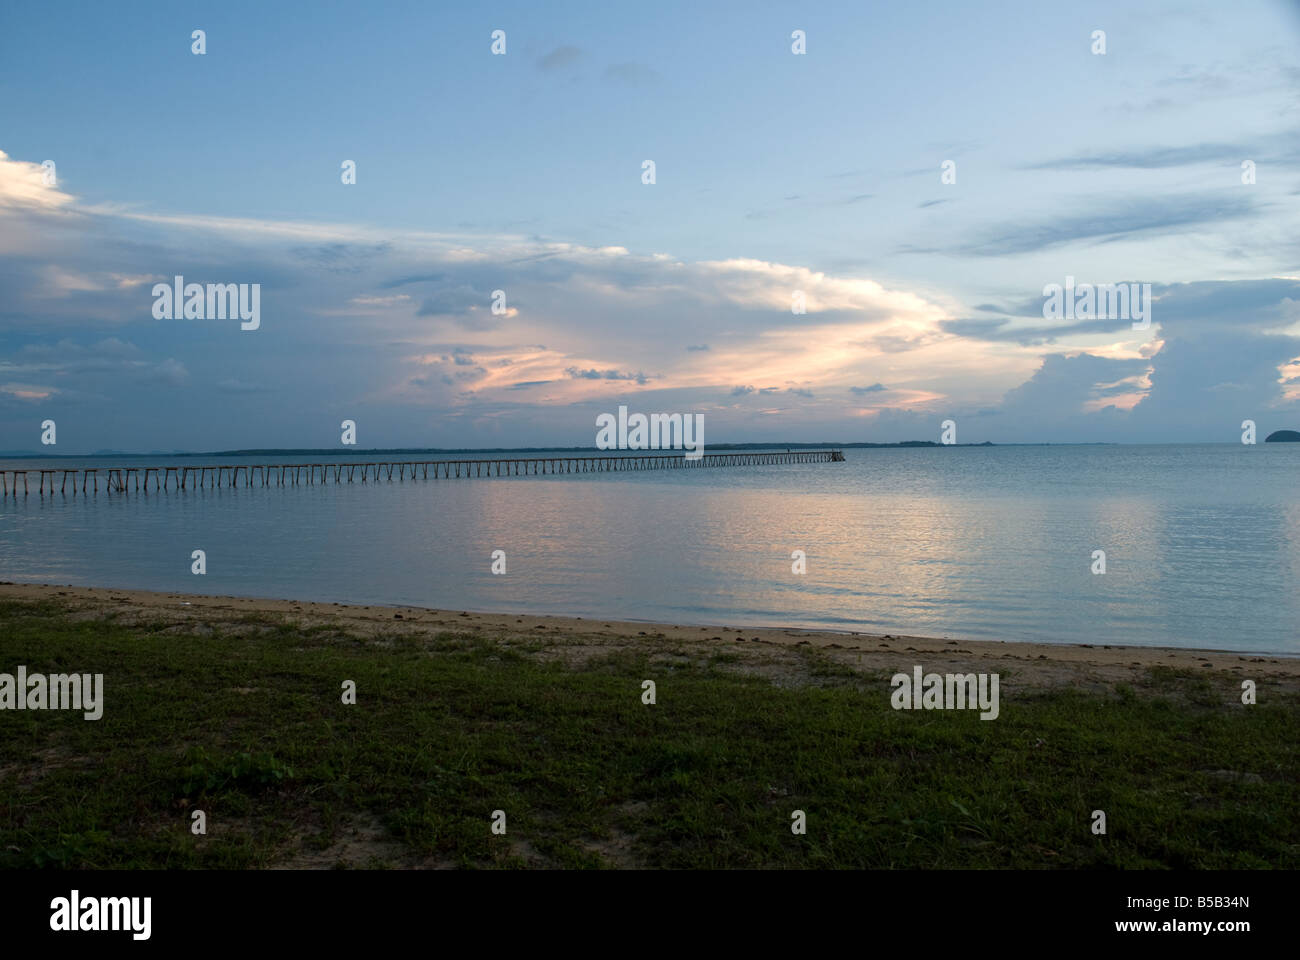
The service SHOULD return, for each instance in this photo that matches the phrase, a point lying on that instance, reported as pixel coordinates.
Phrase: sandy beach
(763, 650)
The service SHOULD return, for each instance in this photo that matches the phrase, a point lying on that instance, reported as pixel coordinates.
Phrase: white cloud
(401, 320)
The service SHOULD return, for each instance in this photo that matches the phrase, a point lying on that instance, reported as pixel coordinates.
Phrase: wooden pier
(131, 479)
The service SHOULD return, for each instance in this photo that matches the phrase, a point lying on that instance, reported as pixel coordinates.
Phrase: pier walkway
(129, 479)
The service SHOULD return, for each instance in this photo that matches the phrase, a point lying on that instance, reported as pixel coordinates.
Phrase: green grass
(448, 728)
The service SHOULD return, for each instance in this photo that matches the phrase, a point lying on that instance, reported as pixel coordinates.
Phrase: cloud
(1062, 387)
(1216, 379)
(402, 281)
(23, 187)
(171, 372)
(403, 327)
(451, 300)
(340, 257)
(28, 392)
(559, 58)
(605, 375)
(68, 355)
(1037, 335)
(1153, 158)
(1112, 219)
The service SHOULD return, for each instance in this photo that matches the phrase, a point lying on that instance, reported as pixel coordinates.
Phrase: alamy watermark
(212, 301)
(950, 691)
(77, 913)
(659, 431)
(58, 691)
(1098, 301)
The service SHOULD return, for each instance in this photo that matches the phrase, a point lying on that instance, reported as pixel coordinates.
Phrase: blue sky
(522, 172)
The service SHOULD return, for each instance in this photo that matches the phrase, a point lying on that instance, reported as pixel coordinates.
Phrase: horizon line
(861, 444)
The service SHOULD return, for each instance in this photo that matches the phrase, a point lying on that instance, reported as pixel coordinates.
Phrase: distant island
(1283, 436)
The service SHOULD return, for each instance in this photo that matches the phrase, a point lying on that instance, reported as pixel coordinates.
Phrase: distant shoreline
(595, 451)
(592, 451)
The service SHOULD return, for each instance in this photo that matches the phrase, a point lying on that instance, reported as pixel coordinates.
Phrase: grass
(245, 721)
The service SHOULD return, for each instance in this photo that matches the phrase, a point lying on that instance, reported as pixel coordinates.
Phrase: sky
(920, 175)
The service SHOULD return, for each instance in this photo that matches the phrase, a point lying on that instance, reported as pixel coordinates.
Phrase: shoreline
(1035, 665)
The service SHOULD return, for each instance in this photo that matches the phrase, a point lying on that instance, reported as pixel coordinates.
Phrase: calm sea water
(1202, 543)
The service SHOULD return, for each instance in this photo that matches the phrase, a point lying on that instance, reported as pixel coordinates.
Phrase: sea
(1193, 545)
